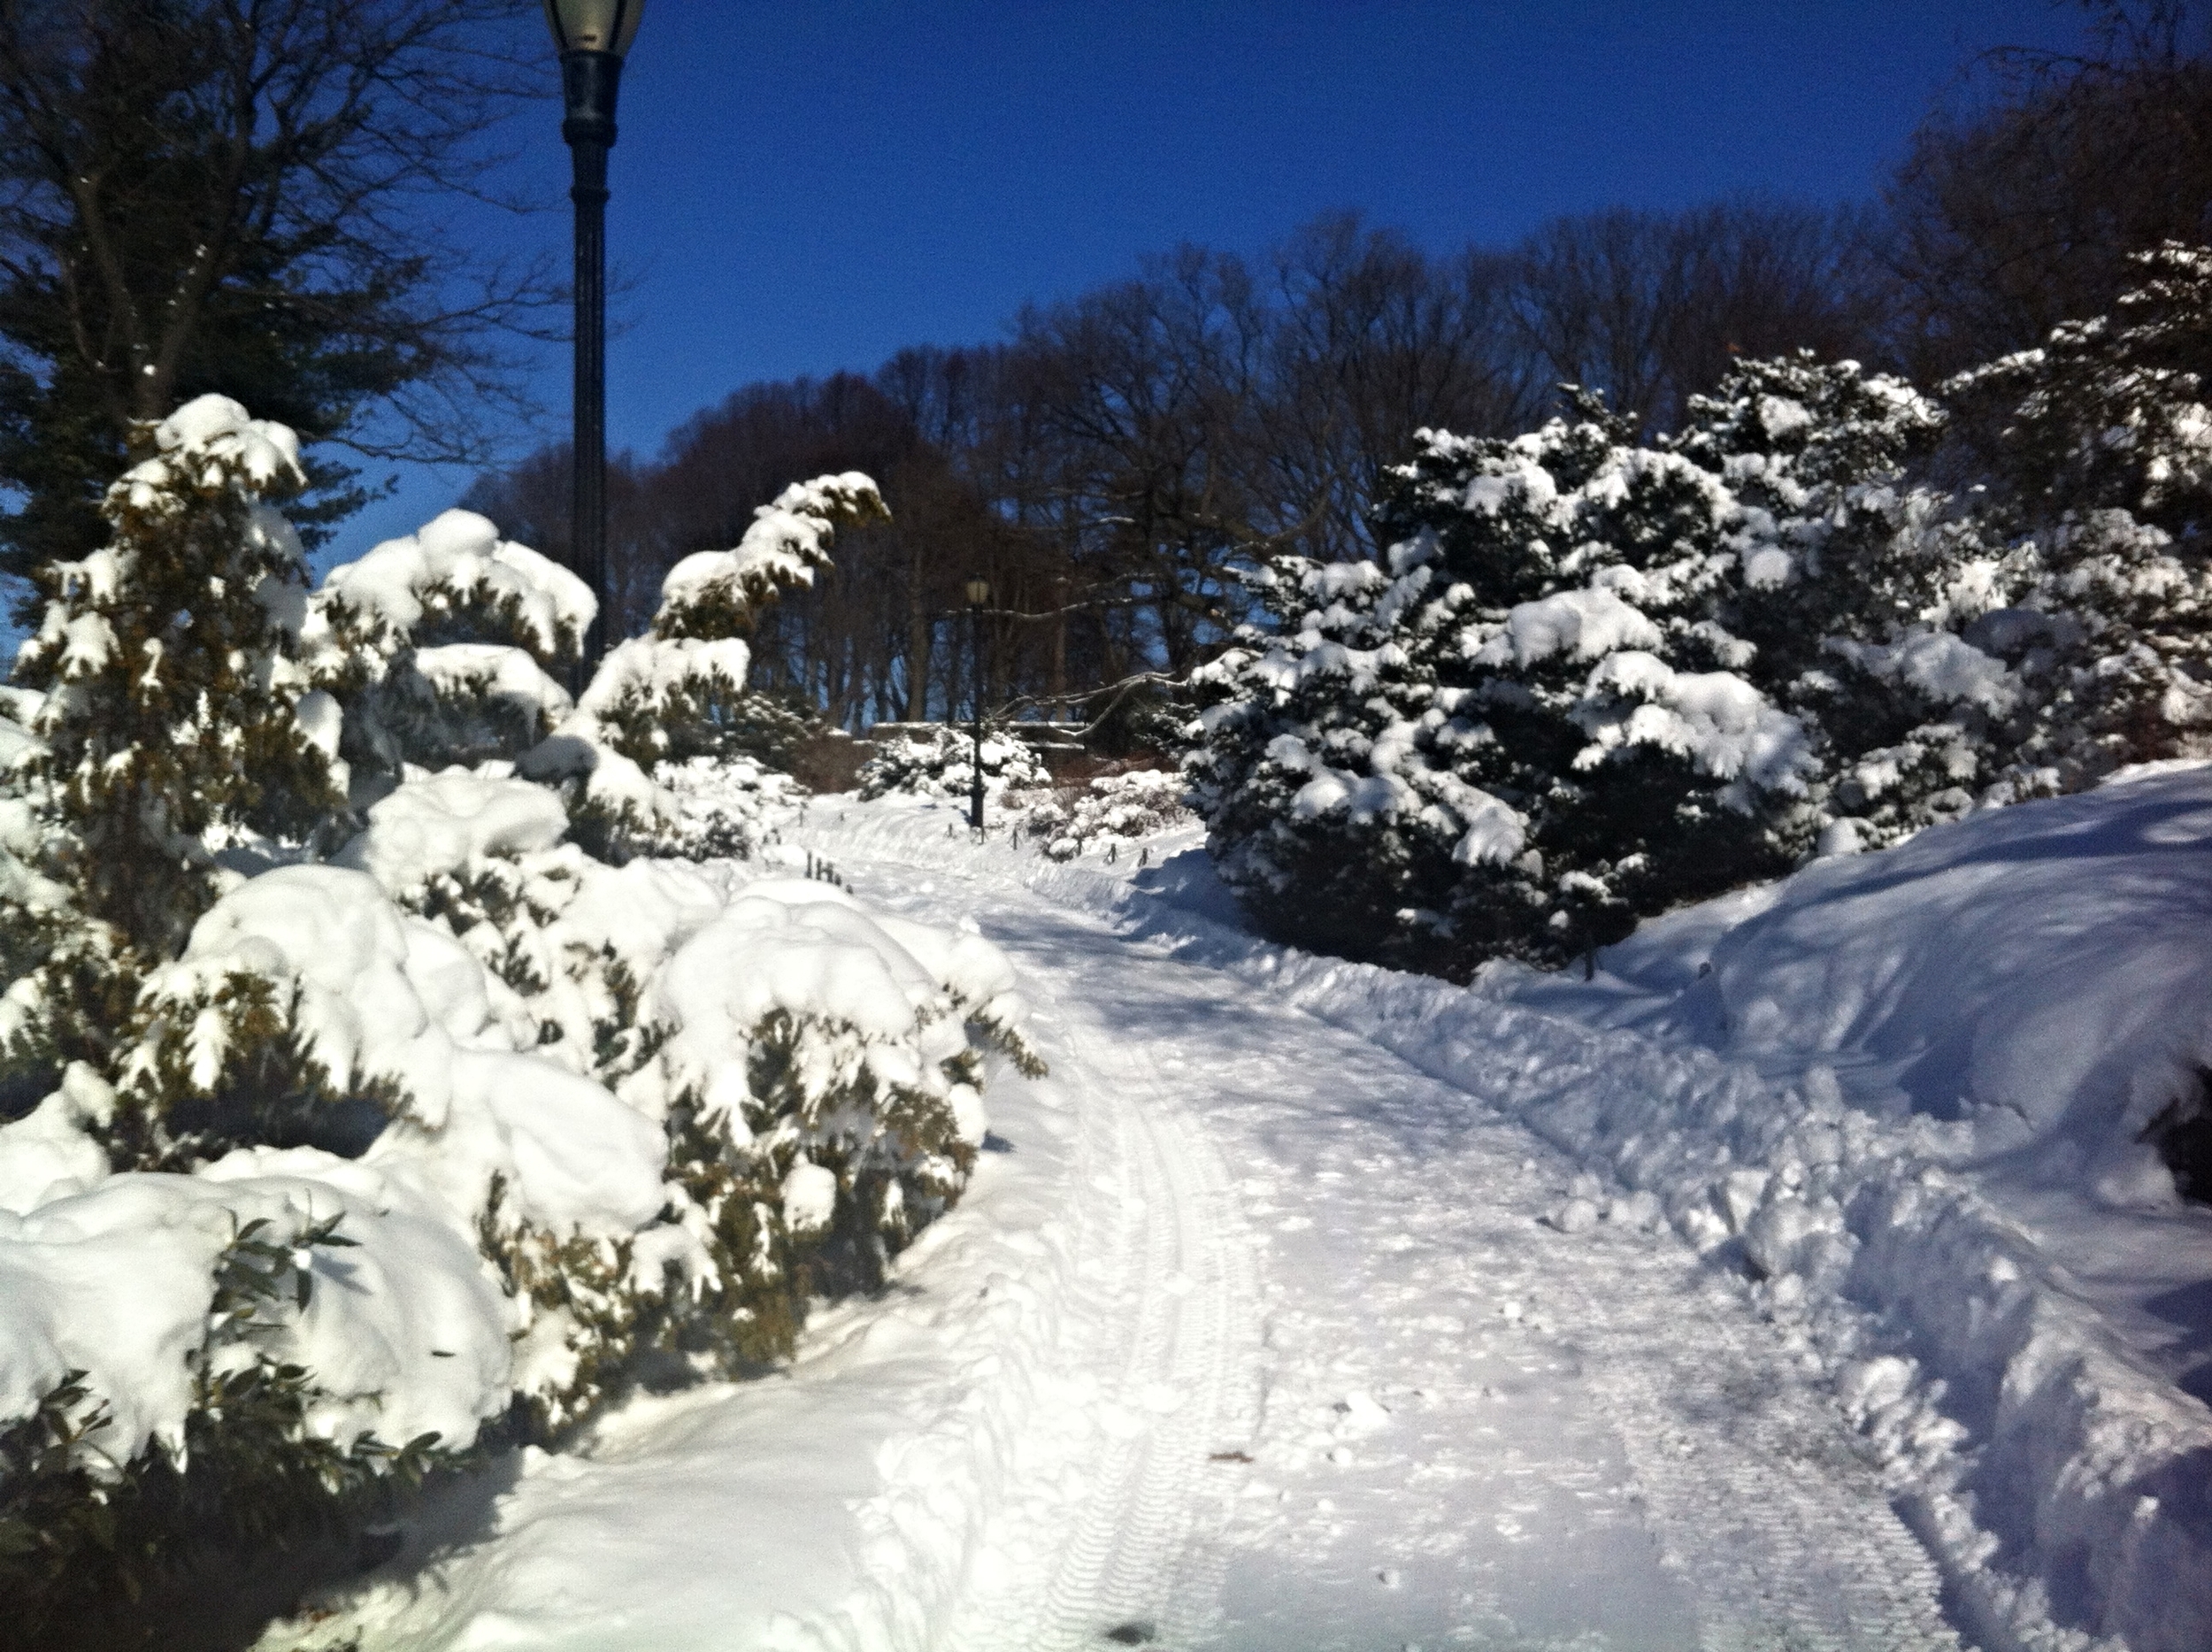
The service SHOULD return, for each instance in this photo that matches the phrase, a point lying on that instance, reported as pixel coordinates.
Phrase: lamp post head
(979, 593)
(608, 25)
(591, 37)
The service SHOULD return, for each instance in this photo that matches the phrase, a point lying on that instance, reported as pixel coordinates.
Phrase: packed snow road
(1248, 1335)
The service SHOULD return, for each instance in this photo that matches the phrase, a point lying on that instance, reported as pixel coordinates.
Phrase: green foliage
(83, 1538)
(228, 1063)
(171, 716)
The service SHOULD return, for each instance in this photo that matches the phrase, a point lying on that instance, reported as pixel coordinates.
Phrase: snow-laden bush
(677, 693)
(942, 765)
(1591, 679)
(1108, 808)
(344, 1166)
(788, 1045)
(1516, 730)
(445, 646)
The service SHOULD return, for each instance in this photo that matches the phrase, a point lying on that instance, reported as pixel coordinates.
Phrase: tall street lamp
(979, 594)
(591, 35)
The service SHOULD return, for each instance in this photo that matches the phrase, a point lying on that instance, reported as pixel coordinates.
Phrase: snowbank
(2037, 972)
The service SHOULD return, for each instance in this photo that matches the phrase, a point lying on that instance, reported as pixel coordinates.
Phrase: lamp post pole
(979, 594)
(591, 35)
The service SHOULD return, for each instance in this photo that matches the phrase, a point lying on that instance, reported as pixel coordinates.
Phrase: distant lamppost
(591, 35)
(979, 594)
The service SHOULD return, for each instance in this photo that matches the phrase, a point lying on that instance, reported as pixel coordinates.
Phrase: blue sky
(801, 187)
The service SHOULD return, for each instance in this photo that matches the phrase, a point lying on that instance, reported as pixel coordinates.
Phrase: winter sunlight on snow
(1484, 932)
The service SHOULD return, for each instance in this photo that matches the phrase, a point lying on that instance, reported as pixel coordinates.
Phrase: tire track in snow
(1783, 1535)
(1182, 1282)
(1168, 1315)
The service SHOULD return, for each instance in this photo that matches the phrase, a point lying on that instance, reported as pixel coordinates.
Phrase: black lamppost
(979, 594)
(591, 35)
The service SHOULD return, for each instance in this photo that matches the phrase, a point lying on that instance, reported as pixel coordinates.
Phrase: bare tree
(238, 196)
(1115, 467)
(2018, 207)
(1651, 307)
(1370, 340)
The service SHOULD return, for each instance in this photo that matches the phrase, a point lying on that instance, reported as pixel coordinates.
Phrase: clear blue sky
(811, 184)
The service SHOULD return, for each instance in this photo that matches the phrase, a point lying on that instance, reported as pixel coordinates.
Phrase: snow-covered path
(1466, 1427)
(1253, 1337)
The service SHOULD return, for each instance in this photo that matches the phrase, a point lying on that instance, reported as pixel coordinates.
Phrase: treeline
(1113, 466)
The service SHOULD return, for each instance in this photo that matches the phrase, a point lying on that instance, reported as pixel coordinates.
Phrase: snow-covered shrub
(247, 1466)
(942, 765)
(445, 646)
(1108, 808)
(723, 807)
(790, 1044)
(666, 1105)
(1588, 680)
(459, 1131)
(677, 693)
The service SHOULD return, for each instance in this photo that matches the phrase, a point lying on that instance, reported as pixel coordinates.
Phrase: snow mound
(2036, 970)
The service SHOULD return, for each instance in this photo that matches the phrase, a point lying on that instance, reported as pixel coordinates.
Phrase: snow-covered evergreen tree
(173, 716)
(1589, 681)
(2098, 524)
(1851, 590)
(677, 693)
(168, 729)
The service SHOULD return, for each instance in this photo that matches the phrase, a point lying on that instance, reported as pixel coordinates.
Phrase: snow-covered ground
(1819, 1297)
